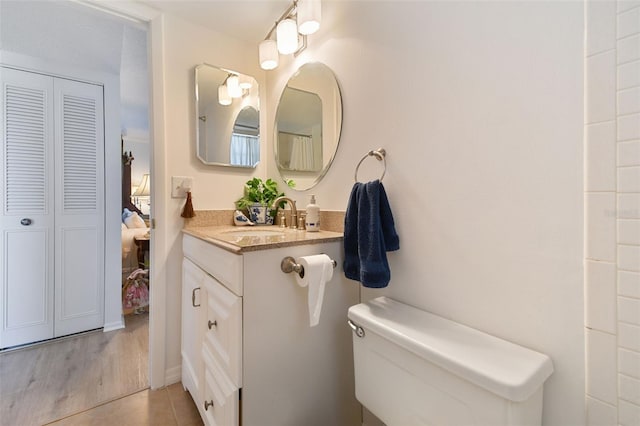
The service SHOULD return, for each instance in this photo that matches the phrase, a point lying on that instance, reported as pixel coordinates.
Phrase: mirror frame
(325, 168)
(197, 117)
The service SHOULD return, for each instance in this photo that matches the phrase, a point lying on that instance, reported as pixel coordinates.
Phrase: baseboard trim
(173, 375)
(116, 325)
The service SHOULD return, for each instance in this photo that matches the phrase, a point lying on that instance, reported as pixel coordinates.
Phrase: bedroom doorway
(45, 30)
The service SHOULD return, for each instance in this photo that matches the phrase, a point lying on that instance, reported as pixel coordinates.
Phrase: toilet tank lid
(504, 368)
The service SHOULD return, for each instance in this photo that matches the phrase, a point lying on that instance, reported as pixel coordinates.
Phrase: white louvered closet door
(52, 218)
(27, 208)
(79, 212)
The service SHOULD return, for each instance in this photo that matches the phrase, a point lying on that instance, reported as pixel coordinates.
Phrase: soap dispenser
(312, 220)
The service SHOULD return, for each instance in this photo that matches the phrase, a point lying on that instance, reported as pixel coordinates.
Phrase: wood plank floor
(53, 380)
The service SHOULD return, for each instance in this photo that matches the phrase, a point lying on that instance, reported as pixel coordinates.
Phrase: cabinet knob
(208, 404)
(26, 221)
(212, 324)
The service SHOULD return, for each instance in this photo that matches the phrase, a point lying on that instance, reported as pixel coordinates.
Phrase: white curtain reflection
(301, 153)
(245, 150)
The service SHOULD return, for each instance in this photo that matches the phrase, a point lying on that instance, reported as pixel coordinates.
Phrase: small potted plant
(258, 198)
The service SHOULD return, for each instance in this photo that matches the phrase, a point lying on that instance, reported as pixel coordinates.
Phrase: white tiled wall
(612, 206)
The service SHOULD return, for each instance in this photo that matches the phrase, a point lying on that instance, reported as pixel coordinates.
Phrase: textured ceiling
(74, 35)
(247, 20)
(68, 32)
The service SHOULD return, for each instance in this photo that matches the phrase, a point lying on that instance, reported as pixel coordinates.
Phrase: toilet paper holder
(289, 265)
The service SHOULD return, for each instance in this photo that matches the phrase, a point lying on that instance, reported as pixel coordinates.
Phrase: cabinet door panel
(192, 328)
(221, 404)
(224, 328)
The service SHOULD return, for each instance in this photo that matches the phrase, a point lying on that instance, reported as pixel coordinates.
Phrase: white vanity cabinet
(192, 327)
(249, 354)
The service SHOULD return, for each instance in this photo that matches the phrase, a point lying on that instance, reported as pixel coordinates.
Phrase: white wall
(612, 200)
(185, 46)
(480, 108)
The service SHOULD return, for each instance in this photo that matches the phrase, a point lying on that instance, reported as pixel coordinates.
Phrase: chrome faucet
(294, 210)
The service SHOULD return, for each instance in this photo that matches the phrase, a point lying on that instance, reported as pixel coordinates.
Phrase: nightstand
(142, 244)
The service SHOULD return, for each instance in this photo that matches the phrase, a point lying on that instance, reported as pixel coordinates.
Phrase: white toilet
(416, 368)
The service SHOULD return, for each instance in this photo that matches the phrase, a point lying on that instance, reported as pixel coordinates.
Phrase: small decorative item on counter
(239, 219)
(258, 199)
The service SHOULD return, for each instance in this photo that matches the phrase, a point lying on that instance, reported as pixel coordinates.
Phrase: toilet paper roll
(318, 270)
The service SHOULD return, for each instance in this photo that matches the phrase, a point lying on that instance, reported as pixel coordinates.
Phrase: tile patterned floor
(170, 406)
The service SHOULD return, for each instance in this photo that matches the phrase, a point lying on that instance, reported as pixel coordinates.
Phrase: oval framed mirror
(227, 117)
(308, 125)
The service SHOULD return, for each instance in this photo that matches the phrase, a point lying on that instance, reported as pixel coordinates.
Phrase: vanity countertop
(240, 239)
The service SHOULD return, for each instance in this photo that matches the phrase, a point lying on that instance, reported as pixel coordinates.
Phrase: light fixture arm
(287, 13)
(267, 48)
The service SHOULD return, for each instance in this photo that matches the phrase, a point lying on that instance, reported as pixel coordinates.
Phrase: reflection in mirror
(308, 124)
(227, 127)
(300, 131)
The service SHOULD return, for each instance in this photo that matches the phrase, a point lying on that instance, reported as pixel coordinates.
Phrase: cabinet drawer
(224, 328)
(226, 267)
(221, 398)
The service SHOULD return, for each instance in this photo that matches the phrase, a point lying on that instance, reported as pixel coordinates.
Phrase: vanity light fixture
(287, 36)
(223, 95)
(268, 54)
(309, 16)
(245, 82)
(234, 86)
(301, 18)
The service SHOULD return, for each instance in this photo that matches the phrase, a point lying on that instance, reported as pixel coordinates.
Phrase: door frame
(152, 20)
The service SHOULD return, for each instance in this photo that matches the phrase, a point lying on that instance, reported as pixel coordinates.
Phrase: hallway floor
(55, 379)
(170, 406)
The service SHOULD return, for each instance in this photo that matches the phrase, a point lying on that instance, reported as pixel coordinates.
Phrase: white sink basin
(254, 233)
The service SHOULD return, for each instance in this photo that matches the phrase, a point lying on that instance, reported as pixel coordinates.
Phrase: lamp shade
(144, 189)
(309, 14)
(268, 54)
(233, 86)
(223, 95)
(245, 82)
(287, 36)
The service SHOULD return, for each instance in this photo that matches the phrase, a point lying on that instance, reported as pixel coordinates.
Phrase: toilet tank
(416, 368)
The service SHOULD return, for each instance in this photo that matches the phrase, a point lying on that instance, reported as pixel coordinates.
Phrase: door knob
(26, 221)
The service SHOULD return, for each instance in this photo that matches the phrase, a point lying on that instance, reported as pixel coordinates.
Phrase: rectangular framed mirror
(227, 117)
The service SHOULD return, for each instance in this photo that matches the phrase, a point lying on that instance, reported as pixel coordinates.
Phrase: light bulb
(309, 13)
(245, 82)
(233, 86)
(268, 54)
(287, 36)
(223, 95)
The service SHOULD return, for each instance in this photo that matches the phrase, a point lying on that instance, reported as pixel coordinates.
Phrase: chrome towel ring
(380, 155)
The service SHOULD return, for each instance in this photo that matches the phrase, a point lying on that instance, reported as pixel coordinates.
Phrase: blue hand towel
(369, 232)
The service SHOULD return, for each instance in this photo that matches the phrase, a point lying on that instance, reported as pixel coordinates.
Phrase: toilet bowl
(416, 368)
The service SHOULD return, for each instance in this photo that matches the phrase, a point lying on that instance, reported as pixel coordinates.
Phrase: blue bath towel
(369, 232)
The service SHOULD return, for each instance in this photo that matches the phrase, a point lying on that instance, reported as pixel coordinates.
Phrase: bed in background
(132, 223)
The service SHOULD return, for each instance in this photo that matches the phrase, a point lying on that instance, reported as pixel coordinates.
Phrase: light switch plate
(180, 185)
